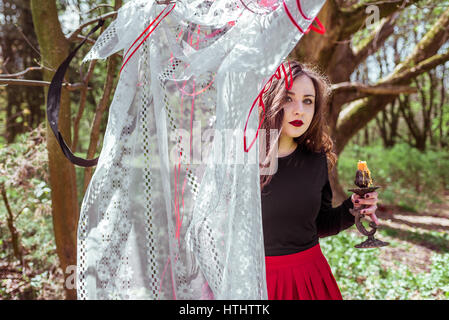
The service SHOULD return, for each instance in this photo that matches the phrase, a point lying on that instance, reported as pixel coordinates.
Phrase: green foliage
(24, 170)
(437, 281)
(361, 275)
(407, 177)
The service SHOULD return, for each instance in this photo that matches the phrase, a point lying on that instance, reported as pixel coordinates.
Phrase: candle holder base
(371, 242)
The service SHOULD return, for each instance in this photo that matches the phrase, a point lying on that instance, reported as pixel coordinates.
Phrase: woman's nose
(299, 108)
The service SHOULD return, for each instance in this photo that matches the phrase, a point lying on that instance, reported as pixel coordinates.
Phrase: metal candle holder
(371, 242)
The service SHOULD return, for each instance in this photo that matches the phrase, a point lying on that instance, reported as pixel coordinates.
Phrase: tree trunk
(443, 95)
(54, 48)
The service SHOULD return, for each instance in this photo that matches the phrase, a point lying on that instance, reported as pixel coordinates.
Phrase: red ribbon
(298, 3)
(141, 35)
(288, 86)
(321, 29)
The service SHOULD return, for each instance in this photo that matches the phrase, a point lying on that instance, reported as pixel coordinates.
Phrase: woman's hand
(370, 200)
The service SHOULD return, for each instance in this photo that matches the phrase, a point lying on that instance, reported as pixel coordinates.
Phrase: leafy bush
(361, 276)
(407, 177)
(24, 170)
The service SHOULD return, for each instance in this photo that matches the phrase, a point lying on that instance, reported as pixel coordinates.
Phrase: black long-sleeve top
(297, 204)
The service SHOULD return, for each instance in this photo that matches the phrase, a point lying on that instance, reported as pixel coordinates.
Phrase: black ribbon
(54, 100)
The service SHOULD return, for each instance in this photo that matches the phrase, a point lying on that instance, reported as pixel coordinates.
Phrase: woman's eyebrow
(292, 93)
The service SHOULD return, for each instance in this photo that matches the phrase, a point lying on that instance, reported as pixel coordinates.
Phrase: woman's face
(299, 106)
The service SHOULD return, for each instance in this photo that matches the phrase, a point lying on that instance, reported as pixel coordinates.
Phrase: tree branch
(38, 83)
(360, 112)
(79, 114)
(355, 15)
(15, 238)
(428, 45)
(75, 33)
(350, 91)
(376, 39)
(98, 7)
(343, 58)
(422, 67)
(376, 89)
(385, 5)
(81, 38)
(21, 73)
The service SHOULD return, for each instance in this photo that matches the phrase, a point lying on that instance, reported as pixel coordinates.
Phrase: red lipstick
(296, 123)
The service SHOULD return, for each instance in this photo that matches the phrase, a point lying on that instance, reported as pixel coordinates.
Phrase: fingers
(370, 195)
(370, 211)
(369, 202)
(369, 199)
(373, 217)
(356, 200)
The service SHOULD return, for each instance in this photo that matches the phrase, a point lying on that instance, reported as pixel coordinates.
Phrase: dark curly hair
(316, 138)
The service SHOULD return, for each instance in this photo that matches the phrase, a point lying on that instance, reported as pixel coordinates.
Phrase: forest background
(388, 65)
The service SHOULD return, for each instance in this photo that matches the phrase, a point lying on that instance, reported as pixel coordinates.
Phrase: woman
(297, 198)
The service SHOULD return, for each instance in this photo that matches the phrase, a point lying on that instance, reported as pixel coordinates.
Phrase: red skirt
(305, 275)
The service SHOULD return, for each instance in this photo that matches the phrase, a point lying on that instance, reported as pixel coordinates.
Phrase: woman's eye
(289, 99)
(309, 101)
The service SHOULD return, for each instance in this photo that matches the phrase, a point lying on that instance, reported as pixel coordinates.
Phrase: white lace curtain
(173, 208)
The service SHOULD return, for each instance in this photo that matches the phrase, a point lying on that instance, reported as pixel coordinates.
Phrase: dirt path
(411, 230)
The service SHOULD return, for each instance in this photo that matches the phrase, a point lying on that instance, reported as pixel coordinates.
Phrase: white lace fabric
(169, 213)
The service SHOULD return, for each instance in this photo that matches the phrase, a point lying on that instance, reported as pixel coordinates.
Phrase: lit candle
(366, 174)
